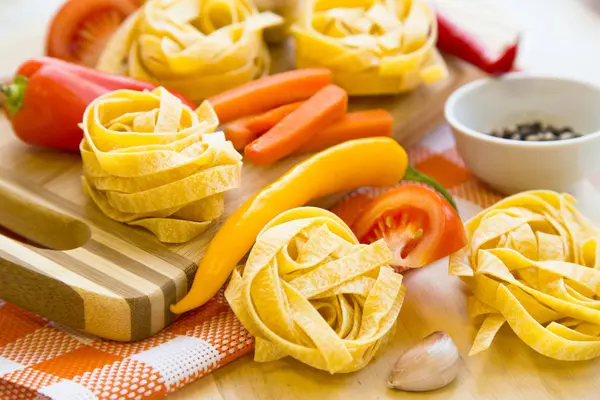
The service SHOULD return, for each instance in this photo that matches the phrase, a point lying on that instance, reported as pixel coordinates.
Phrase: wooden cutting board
(119, 283)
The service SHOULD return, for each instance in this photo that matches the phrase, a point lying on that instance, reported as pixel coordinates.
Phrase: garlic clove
(430, 364)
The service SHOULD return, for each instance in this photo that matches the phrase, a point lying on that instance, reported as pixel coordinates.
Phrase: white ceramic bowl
(512, 166)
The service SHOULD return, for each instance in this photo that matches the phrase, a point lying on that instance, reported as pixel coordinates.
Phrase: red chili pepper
(452, 39)
(46, 107)
(48, 97)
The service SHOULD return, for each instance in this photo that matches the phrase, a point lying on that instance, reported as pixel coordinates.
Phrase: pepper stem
(414, 175)
(14, 93)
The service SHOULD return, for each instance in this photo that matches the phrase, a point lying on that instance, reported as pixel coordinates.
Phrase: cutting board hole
(19, 238)
(73, 238)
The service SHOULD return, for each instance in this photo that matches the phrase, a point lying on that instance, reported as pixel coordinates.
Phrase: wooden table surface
(560, 37)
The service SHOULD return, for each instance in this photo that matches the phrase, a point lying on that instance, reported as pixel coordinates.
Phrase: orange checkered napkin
(40, 359)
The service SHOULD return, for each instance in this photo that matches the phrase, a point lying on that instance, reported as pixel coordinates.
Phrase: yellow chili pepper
(379, 161)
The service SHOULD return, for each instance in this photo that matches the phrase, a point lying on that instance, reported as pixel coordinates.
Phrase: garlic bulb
(430, 364)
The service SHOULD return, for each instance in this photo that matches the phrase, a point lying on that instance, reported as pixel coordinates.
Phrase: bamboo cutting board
(119, 283)
(116, 282)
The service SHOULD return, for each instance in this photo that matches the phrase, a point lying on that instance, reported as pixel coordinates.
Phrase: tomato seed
(404, 219)
(389, 222)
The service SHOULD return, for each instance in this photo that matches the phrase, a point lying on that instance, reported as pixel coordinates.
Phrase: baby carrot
(239, 134)
(267, 93)
(263, 122)
(324, 108)
(243, 131)
(353, 125)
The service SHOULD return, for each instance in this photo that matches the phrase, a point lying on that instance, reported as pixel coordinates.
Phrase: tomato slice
(81, 28)
(418, 224)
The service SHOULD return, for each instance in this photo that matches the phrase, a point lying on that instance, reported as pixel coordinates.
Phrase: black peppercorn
(535, 131)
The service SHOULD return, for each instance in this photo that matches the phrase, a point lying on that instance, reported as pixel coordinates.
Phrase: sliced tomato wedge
(417, 223)
(81, 28)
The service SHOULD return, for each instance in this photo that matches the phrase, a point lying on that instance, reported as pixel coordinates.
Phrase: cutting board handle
(23, 213)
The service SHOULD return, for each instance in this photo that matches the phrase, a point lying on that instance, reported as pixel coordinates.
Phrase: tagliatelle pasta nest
(372, 46)
(534, 261)
(198, 47)
(309, 290)
(153, 162)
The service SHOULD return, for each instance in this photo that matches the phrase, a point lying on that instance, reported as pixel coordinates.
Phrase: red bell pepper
(452, 39)
(46, 107)
(48, 97)
(109, 81)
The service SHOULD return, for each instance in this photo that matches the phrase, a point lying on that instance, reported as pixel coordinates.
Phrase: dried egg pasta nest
(153, 162)
(309, 290)
(372, 46)
(197, 47)
(534, 261)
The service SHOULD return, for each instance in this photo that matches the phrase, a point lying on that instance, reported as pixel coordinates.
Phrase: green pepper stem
(414, 175)
(15, 94)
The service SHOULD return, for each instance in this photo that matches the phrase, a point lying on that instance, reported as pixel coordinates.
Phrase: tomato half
(418, 224)
(81, 28)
